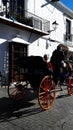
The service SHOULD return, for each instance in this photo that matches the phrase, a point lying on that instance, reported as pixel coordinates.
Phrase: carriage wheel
(70, 86)
(17, 90)
(46, 93)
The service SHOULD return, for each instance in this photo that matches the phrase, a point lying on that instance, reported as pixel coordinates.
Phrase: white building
(26, 29)
(63, 34)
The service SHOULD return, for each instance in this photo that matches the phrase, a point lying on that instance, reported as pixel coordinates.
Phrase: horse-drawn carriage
(34, 71)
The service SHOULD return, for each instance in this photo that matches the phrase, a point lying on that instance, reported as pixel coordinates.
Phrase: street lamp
(55, 25)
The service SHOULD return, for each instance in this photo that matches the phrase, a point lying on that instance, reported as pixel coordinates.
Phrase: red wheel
(70, 86)
(46, 93)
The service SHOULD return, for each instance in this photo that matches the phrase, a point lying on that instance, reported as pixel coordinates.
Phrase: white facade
(51, 11)
(40, 45)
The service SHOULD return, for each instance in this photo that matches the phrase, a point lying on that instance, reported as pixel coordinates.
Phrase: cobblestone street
(27, 115)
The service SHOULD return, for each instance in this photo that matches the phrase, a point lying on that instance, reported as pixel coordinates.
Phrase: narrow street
(27, 115)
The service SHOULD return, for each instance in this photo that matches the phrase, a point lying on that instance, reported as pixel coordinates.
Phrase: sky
(68, 3)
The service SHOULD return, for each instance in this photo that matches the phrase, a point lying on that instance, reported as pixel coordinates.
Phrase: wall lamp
(55, 25)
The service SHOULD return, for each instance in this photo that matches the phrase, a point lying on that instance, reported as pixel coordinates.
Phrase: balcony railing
(29, 19)
(68, 38)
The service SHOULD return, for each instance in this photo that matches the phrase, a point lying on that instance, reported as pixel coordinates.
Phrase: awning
(18, 40)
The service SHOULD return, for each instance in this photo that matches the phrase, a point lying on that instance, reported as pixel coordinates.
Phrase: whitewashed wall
(47, 11)
(50, 13)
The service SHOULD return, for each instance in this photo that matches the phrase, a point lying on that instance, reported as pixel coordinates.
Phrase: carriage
(33, 72)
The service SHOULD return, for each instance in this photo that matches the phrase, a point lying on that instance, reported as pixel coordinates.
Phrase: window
(68, 29)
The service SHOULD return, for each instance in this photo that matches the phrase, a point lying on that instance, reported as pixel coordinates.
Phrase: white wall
(39, 47)
(51, 13)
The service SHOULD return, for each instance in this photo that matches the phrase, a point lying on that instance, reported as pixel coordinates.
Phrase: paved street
(27, 115)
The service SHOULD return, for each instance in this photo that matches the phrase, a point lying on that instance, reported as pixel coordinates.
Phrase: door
(16, 50)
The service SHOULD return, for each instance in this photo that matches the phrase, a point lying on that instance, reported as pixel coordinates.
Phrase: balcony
(30, 20)
(68, 38)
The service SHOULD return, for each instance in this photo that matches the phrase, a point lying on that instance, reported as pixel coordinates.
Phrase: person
(45, 58)
(56, 59)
